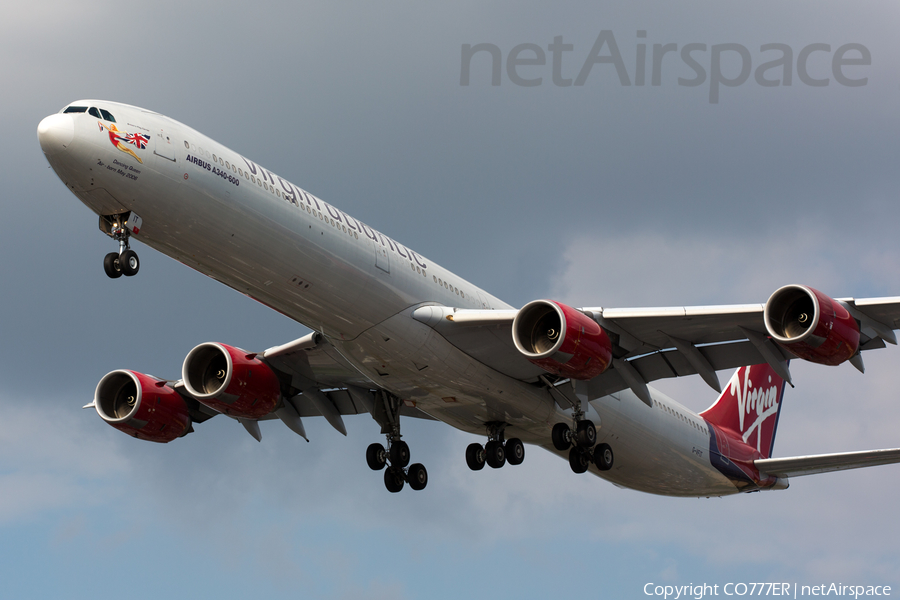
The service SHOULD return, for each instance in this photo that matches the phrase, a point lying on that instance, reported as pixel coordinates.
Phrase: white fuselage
(209, 208)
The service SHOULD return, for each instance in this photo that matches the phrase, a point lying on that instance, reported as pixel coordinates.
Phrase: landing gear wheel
(603, 457)
(561, 436)
(393, 480)
(399, 454)
(475, 456)
(515, 451)
(579, 459)
(129, 263)
(495, 455)
(111, 265)
(586, 435)
(376, 457)
(417, 477)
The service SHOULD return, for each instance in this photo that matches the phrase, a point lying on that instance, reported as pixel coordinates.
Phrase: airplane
(396, 335)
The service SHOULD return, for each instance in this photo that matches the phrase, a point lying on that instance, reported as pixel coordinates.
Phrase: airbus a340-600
(395, 335)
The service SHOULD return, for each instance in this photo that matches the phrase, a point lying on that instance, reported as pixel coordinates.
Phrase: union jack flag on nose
(138, 139)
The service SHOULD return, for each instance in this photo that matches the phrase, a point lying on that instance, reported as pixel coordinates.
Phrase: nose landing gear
(125, 261)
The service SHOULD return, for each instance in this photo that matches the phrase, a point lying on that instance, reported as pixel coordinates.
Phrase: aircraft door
(484, 303)
(165, 145)
(382, 257)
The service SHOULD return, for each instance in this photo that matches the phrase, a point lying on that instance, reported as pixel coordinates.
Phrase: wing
(316, 381)
(323, 383)
(825, 463)
(657, 343)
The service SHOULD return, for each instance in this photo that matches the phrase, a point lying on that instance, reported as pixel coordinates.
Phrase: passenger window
(186, 145)
(107, 115)
(94, 112)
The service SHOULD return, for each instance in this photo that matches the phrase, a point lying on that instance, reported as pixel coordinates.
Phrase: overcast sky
(599, 194)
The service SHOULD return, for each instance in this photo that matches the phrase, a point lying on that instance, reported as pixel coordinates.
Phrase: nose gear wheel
(125, 261)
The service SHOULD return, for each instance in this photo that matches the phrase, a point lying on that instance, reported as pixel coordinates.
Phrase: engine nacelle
(231, 381)
(561, 340)
(142, 406)
(811, 325)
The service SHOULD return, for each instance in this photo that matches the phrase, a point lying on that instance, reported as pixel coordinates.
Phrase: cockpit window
(75, 109)
(100, 113)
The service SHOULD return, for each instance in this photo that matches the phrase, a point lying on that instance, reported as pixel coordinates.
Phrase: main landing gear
(395, 457)
(496, 452)
(125, 261)
(582, 444)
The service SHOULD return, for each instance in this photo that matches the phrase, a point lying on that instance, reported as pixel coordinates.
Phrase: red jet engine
(811, 325)
(231, 381)
(142, 406)
(561, 340)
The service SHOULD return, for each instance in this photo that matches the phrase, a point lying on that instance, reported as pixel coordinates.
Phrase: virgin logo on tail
(762, 402)
(750, 405)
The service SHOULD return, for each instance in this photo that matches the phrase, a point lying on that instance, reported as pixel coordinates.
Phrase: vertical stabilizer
(749, 407)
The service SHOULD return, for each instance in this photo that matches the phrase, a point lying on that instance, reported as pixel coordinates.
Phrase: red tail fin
(750, 406)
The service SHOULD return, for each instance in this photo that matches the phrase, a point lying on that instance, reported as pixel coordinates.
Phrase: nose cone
(55, 133)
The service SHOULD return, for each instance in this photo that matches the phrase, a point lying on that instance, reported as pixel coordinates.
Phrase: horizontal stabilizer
(825, 463)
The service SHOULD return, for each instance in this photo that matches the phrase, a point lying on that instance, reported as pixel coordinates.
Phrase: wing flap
(826, 463)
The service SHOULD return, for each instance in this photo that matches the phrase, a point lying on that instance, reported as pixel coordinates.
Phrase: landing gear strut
(125, 261)
(496, 452)
(396, 455)
(581, 442)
